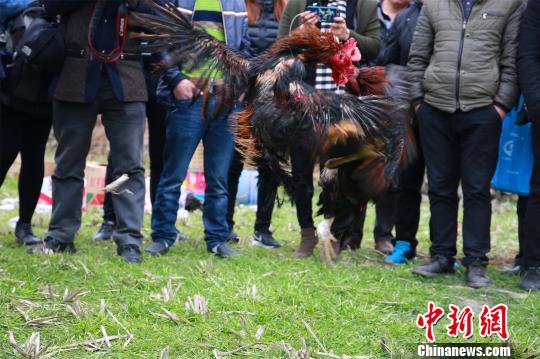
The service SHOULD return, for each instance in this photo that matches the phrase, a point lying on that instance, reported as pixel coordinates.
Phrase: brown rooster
(361, 136)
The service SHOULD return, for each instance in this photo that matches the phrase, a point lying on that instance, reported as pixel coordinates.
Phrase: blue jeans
(185, 129)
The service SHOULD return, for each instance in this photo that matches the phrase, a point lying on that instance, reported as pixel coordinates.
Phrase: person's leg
(440, 150)
(10, 140)
(303, 164)
(34, 142)
(73, 124)
(479, 132)
(218, 152)
(521, 215)
(108, 208)
(266, 197)
(233, 177)
(530, 261)
(385, 214)
(185, 129)
(408, 202)
(124, 124)
(156, 114)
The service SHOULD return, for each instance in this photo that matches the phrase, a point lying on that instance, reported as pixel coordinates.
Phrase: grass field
(264, 304)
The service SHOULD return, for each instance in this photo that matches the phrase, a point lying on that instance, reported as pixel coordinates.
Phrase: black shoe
(265, 240)
(531, 279)
(130, 252)
(53, 245)
(437, 265)
(105, 232)
(233, 237)
(223, 250)
(477, 276)
(157, 248)
(24, 234)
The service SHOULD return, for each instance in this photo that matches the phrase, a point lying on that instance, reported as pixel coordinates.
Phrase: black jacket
(529, 58)
(263, 33)
(399, 38)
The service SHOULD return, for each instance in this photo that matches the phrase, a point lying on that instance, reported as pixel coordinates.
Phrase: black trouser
(521, 212)
(302, 166)
(530, 246)
(124, 125)
(385, 219)
(409, 196)
(156, 115)
(266, 194)
(25, 134)
(462, 146)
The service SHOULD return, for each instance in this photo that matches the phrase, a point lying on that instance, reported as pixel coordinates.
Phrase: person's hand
(308, 18)
(339, 29)
(184, 90)
(500, 111)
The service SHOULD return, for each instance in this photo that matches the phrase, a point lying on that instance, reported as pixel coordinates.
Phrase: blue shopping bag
(514, 168)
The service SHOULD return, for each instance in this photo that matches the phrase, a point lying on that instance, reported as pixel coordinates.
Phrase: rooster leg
(327, 241)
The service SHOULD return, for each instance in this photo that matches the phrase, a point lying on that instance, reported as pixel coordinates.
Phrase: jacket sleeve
(287, 17)
(508, 91)
(391, 51)
(420, 54)
(368, 39)
(529, 59)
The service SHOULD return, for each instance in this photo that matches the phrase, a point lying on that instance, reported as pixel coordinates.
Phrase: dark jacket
(365, 25)
(529, 58)
(80, 75)
(235, 27)
(399, 38)
(466, 64)
(264, 31)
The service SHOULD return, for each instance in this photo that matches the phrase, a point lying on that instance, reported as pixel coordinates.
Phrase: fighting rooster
(361, 136)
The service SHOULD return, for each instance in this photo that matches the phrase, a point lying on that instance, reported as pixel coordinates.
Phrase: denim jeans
(185, 129)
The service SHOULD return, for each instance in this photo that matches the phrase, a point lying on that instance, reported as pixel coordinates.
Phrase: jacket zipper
(458, 75)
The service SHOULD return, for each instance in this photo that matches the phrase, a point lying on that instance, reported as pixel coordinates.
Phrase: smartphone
(325, 13)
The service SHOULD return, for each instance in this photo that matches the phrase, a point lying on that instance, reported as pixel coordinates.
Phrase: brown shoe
(384, 246)
(308, 243)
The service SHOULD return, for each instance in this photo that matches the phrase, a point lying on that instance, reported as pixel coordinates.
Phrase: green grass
(351, 306)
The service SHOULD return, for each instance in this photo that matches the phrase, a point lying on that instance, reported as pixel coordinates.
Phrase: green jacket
(366, 30)
(466, 64)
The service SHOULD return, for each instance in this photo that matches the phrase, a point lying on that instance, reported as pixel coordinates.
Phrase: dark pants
(521, 212)
(155, 114)
(124, 126)
(409, 196)
(266, 194)
(185, 130)
(462, 146)
(530, 245)
(303, 164)
(25, 134)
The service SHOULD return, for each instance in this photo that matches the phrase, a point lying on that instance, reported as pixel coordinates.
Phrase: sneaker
(511, 270)
(25, 235)
(53, 245)
(265, 240)
(233, 237)
(384, 246)
(105, 232)
(130, 252)
(438, 265)
(157, 248)
(401, 254)
(477, 276)
(223, 250)
(531, 279)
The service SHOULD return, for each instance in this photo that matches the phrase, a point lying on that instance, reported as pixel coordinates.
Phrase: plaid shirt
(323, 75)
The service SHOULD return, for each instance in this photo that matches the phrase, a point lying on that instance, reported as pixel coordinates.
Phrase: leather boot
(308, 243)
